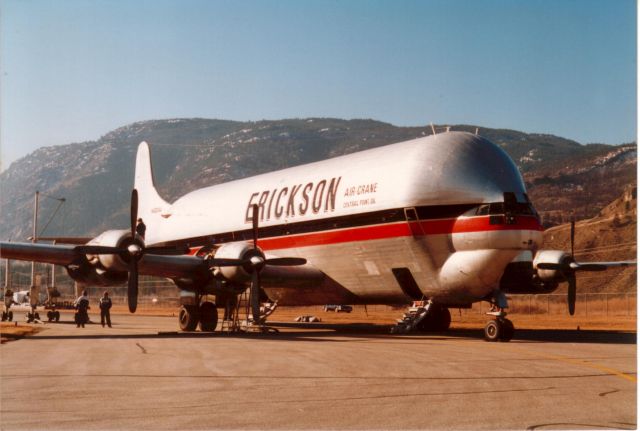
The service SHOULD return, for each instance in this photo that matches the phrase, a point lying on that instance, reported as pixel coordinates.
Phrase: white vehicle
(444, 219)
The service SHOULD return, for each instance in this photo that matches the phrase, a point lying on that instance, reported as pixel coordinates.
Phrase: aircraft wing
(64, 255)
(173, 266)
(45, 253)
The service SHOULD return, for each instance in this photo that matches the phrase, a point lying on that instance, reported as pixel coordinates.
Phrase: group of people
(82, 309)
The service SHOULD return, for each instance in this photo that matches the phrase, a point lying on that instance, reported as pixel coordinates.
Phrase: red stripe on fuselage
(396, 230)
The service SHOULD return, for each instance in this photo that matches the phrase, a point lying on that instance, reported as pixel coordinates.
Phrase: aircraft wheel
(4, 316)
(208, 316)
(507, 330)
(188, 318)
(492, 330)
(10, 316)
(49, 316)
(36, 316)
(442, 319)
(56, 316)
(438, 320)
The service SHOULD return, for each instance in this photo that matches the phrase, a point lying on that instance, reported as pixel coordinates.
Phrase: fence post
(586, 306)
(548, 297)
(628, 307)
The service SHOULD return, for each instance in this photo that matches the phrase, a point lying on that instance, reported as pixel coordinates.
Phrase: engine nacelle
(103, 269)
(110, 238)
(235, 250)
(550, 256)
(85, 272)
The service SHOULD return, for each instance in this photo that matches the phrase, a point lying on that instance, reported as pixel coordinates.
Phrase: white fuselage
(364, 218)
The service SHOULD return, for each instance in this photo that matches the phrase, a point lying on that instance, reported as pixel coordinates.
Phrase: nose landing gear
(499, 328)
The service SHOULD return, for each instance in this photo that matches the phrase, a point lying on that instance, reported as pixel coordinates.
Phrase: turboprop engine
(557, 258)
(104, 269)
(241, 251)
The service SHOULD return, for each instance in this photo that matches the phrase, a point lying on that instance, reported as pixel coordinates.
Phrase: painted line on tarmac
(580, 362)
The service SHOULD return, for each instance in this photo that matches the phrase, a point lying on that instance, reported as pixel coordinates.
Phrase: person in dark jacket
(105, 306)
(82, 309)
(141, 228)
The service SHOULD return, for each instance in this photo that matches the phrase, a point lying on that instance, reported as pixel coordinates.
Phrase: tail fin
(150, 205)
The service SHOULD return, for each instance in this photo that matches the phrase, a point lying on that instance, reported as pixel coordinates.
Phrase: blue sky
(74, 70)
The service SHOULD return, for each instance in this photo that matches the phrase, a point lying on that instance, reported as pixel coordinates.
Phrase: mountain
(609, 236)
(95, 177)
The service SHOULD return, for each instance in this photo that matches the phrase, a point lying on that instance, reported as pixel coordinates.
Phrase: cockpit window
(498, 208)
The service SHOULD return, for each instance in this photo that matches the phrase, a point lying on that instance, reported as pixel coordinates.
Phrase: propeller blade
(254, 221)
(98, 249)
(226, 262)
(134, 211)
(286, 261)
(571, 293)
(573, 233)
(132, 287)
(590, 267)
(254, 296)
(167, 251)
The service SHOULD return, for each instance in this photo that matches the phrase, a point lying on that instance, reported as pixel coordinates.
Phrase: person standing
(105, 306)
(82, 307)
(141, 228)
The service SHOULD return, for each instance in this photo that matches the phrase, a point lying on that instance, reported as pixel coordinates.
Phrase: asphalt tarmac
(140, 374)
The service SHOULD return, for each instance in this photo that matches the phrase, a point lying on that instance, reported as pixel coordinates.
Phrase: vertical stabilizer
(150, 205)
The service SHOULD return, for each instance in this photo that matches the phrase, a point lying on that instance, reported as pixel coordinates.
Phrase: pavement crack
(144, 351)
(602, 394)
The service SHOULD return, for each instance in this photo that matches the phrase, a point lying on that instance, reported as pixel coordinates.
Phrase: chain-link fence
(587, 304)
(155, 294)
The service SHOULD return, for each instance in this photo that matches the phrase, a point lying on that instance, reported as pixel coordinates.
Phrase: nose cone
(462, 167)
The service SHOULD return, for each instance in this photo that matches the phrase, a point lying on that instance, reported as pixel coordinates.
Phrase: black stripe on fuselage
(325, 224)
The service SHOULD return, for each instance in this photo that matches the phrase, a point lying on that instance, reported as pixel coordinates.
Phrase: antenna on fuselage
(433, 129)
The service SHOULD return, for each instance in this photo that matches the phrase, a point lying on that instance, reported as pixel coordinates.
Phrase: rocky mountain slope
(96, 177)
(610, 236)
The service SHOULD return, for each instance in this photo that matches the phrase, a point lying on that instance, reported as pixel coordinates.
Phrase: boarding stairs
(240, 318)
(415, 314)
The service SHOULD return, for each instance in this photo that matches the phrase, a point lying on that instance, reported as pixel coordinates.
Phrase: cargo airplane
(444, 220)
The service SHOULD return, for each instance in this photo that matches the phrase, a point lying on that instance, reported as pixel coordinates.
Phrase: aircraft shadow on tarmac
(327, 333)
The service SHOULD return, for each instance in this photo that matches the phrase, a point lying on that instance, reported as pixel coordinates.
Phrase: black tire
(4, 316)
(442, 319)
(49, 316)
(492, 330)
(56, 316)
(438, 320)
(36, 316)
(507, 330)
(208, 317)
(188, 318)
(10, 316)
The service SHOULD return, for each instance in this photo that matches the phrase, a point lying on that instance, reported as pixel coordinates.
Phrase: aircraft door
(411, 216)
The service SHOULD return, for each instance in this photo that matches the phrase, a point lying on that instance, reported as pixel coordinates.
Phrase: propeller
(132, 251)
(256, 262)
(135, 253)
(568, 268)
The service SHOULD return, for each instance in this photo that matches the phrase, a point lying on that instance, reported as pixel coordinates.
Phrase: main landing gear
(205, 314)
(499, 328)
